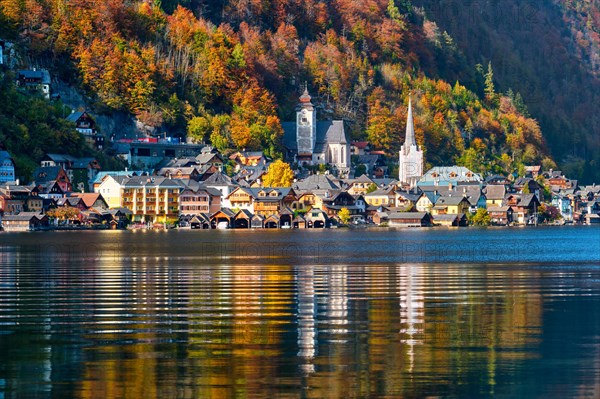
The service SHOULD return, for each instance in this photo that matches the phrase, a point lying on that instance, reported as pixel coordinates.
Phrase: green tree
(481, 218)
(372, 187)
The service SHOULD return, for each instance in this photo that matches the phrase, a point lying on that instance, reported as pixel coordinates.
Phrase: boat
(222, 225)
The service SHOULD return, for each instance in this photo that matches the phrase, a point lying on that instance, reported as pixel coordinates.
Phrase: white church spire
(411, 156)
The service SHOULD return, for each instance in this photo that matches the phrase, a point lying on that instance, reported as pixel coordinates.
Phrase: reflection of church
(309, 142)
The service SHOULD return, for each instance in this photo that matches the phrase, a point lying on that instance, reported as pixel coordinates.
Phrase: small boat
(222, 225)
(286, 226)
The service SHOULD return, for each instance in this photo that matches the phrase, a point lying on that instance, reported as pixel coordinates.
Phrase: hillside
(230, 72)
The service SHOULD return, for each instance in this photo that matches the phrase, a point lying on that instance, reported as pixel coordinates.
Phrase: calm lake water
(301, 314)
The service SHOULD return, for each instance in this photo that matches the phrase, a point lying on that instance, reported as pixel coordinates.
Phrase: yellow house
(110, 188)
(451, 205)
(152, 199)
(381, 197)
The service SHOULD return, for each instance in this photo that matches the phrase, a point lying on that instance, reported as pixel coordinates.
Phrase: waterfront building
(152, 199)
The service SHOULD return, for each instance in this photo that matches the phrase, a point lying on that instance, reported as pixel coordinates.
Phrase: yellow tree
(344, 215)
(279, 175)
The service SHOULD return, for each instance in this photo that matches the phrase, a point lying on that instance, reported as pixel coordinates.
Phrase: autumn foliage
(230, 72)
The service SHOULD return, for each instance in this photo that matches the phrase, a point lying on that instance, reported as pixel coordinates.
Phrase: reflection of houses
(412, 306)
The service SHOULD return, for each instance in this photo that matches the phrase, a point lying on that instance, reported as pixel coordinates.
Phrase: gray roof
(151, 181)
(220, 179)
(450, 200)
(75, 116)
(495, 192)
(45, 174)
(449, 217)
(24, 216)
(316, 182)
(328, 132)
(407, 215)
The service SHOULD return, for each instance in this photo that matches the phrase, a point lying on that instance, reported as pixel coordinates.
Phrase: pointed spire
(410, 127)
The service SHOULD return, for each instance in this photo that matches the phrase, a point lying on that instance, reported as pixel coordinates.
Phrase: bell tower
(306, 128)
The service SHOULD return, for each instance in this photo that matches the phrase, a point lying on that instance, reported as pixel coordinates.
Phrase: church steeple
(306, 126)
(410, 128)
(411, 156)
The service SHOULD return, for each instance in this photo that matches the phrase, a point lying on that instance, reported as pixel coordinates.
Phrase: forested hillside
(230, 71)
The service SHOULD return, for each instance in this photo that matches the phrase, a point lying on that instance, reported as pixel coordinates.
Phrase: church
(311, 142)
(411, 156)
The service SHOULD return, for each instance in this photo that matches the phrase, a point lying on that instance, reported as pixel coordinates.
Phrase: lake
(498, 312)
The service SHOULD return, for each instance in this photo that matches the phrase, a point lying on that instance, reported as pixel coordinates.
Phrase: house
(407, 199)
(209, 158)
(380, 217)
(563, 204)
(46, 174)
(13, 199)
(24, 221)
(309, 142)
(86, 125)
(35, 80)
(359, 147)
(221, 182)
(83, 172)
(527, 185)
(271, 201)
(409, 219)
(7, 168)
(451, 204)
(383, 196)
(533, 171)
(110, 188)
(524, 207)
(495, 194)
(451, 220)
(224, 216)
(241, 198)
(50, 190)
(152, 199)
(316, 219)
(194, 201)
(91, 200)
(445, 175)
(500, 215)
(333, 204)
(360, 185)
(248, 158)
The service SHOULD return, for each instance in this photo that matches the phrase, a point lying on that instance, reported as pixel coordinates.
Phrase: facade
(152, 199)
(411, 156)
(309, 142)
(7, 168)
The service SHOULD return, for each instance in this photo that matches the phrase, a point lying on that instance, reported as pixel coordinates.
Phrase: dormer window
(453, 175)
(434, 174)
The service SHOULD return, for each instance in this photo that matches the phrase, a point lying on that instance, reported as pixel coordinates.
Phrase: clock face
(303, 117)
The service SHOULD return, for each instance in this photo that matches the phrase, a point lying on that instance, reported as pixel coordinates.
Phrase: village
(170, 183)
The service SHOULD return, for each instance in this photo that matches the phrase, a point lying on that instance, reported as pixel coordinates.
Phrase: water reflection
(178, 323)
